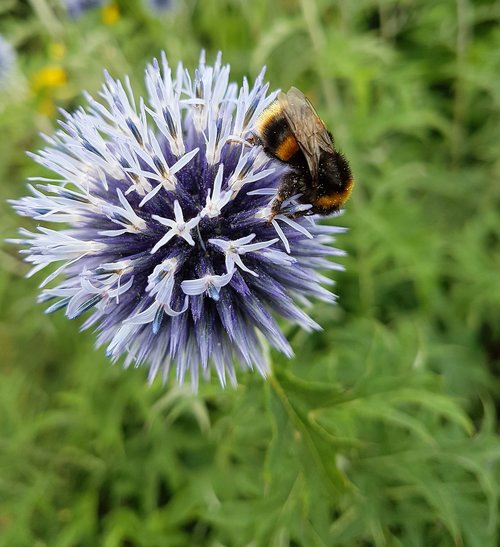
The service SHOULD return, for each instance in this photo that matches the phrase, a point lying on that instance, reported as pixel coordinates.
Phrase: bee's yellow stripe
(287, 148)
(271, 112)
(337, 198)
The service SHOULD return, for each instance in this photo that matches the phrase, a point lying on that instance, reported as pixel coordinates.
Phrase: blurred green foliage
(383, 429)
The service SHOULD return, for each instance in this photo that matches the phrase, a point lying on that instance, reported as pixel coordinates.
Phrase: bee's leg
(239, 140)
(275, 207)
(250, 140)
(253, 140)
(299, 214)
(291, 184)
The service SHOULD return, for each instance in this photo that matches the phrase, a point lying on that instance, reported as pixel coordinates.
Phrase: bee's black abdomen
(334, 173)
(343, 168)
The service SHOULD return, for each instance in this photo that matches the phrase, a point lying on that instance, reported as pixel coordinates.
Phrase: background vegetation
(383, 429)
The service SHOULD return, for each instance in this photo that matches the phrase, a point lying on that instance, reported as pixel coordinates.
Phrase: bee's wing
(309, 130)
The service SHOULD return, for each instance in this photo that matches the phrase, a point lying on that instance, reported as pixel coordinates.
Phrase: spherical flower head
(166, 243)
(7, 60)
(159, 5)
(76, 8)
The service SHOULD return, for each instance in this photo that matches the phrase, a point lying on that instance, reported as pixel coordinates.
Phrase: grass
(383, 428)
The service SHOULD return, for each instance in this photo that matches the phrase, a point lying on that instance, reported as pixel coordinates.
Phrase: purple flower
(76, 7)
(160, 5)
(165, 239)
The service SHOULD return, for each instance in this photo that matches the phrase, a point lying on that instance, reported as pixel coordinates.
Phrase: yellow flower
(110, 14)
(49, 76)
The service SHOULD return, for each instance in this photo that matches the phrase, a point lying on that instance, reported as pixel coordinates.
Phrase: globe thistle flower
(166, 243)
(7, 61)
(158, 6)
(75, 8)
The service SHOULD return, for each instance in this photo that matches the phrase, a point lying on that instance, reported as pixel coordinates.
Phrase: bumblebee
(291, 131)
